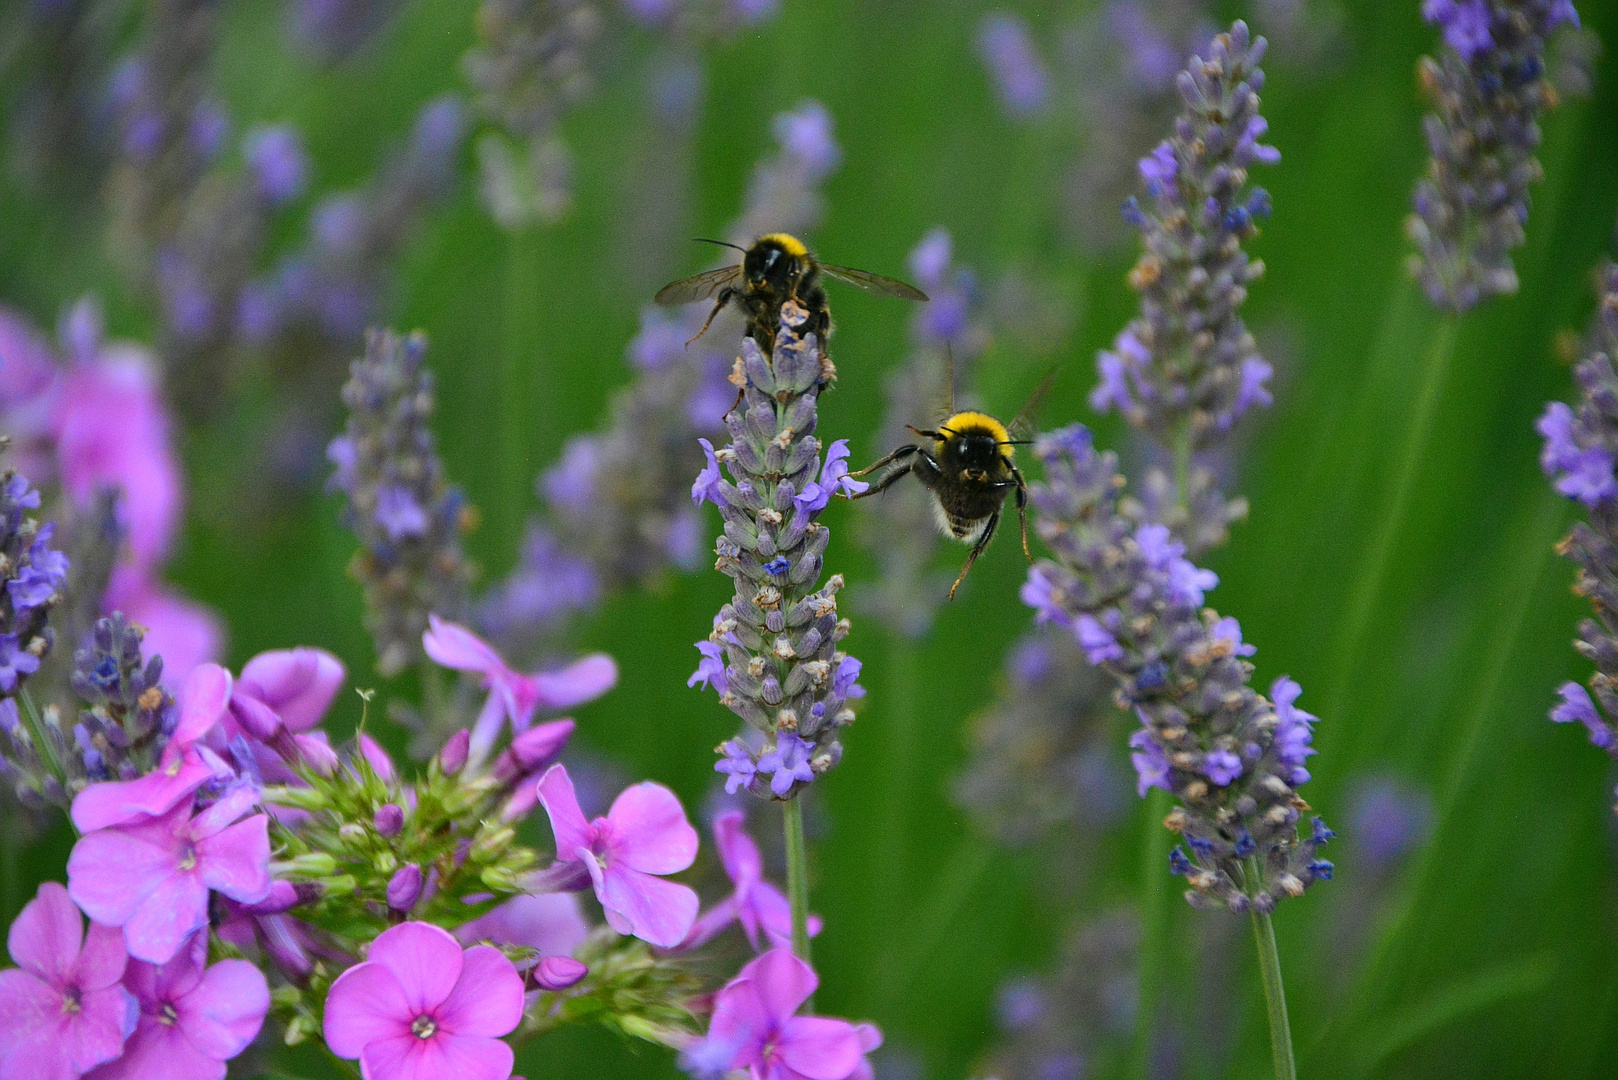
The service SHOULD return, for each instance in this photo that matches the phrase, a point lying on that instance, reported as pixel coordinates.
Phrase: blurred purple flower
(1018, 73)
(759, 906)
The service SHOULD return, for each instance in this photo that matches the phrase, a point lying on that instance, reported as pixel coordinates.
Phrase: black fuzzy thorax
(971, 470)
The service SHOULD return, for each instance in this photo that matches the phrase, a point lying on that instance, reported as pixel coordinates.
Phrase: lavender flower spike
(1232, 758)
(1487, 89)
(1581, 456)
(781, 670)
(407, 516)
(1187, 369)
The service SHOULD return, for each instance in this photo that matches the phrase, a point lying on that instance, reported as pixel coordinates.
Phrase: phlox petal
(487, 999)
(365, 1005)
(299, 684)
(426, 959)
(202, 700)
(226, 1010)
(782, 981)
(656, 911)
(236, 862)
(456, 647)
(581, 681)
(819, 1047)
(46, 936)
(649, 830)
(170, 913)
(567, 820)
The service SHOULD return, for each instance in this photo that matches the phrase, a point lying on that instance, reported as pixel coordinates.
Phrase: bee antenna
(1017, 442)
(718, 243)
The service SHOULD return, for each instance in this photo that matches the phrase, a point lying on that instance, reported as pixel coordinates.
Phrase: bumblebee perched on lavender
(777, 268)
(969, 469)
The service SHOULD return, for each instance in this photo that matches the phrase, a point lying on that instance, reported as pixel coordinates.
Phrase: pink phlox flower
(419, 1008)
(185, 765)
(183, 632)
(512, 694)
(63, 1008)
(644, 835)
(758, 905)
(152, 877)
(193, 1018)
(112, 431)
(30, 381)
(755, 1026)
(298, 685)
(551, 924)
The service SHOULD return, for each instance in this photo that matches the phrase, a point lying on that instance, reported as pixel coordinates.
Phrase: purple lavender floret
(1581, 447)
(1487, 89)
(783, 672)
(1019, 75)
(401, 506)
(1231, 757)
(1186, 370)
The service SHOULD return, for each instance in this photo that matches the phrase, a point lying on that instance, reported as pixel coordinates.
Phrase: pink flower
(551, 925)
(152, 877)
(183, 768)
(112, 431)
(419, 1008)
(297, 684)
(511, 693)
(62, 1009)
(645, 833)
(759, 905)
(755, 1027)
(192, 1020)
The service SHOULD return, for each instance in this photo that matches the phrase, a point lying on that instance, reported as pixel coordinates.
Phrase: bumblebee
(969, 469)
(777, 268)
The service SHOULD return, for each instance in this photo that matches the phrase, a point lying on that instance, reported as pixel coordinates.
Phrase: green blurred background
(1397, 560)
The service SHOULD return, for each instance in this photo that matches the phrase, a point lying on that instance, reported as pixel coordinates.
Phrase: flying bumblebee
(777, 268)
(969, 469)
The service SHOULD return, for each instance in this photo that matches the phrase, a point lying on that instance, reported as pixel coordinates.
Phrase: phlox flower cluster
(1487, 89)
(773, 655)
(1581, 458)
(1233, 758)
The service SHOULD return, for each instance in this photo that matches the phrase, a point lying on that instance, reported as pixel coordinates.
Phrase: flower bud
(452, 758)
(376, 757)
(521, 803)
(352, 835)
(389, 820)
(404, 888)
(316, 864)
(255, 717)
(534, 749)
(491, 843)
(317, 754)
(559, 972)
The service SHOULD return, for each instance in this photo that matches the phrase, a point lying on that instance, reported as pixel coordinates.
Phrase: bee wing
(703, 286)
(873, 283)
(1022, 426)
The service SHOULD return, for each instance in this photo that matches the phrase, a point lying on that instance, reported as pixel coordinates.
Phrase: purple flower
(278, 162)
(1222, 766)
(398, 513)
(62, 1009)
(1039, 593)
(1187, 582)
(193, 1018)
(15, 662)
(643, 836)
(1229, 631)
(788, 762)
(1097, 642)
(1150, 761)
(737, 764)
(512, 694)
(711, 668)
(152, 877)
(756, 904)
(1293, 730)
(1019, 76)
(706, 488)
(404, 887)
(421, 1008)
(551, 924)
(1465, 24)
(1585, 474)
(755, 1026)
(40, 578)
(1159, 168)
(1256, 371)
(806, 135)
(298, 684)
(183, 633)
(1576, 705)
(343, 457)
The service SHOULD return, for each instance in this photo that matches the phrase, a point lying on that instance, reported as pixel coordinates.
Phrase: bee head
(775, 263)
(975, 441)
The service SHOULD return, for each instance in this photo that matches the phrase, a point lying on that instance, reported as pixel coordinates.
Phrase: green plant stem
(515, 413)
(1275, 995)
(797, 876)
(1156, 919)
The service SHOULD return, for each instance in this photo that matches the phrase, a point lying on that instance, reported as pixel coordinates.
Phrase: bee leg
(719, 304)
(977, 549)
(885, 483)
(902, 452)
(1022, 510)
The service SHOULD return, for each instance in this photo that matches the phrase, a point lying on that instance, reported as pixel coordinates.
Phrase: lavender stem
(1275, 996)
(797, 876)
